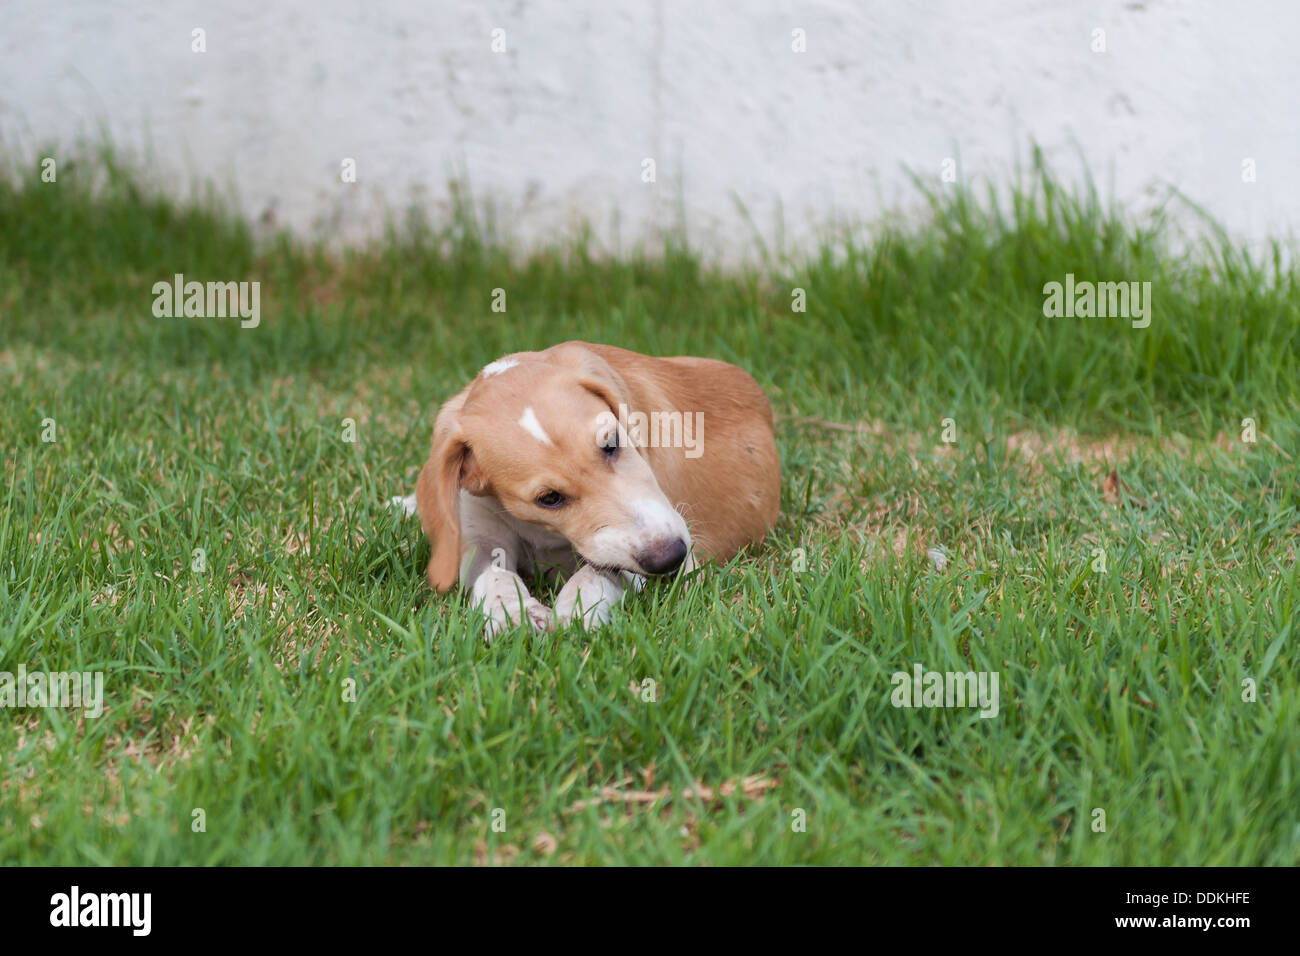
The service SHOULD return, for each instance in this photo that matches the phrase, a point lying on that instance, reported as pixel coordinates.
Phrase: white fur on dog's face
(541, 445)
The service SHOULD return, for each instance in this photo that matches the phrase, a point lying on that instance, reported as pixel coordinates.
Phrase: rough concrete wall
(554, 130)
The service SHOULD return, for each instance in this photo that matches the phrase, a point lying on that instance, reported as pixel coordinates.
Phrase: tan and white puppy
(595, 460)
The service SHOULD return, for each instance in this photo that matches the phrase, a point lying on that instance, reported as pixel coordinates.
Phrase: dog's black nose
(663, 557)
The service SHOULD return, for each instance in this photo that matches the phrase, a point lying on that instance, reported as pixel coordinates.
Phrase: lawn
(183, 510)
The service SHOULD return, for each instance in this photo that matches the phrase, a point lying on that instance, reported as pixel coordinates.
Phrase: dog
(596, 462)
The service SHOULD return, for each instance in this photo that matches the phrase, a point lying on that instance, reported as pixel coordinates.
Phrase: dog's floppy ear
(599, 377)
(451, 466)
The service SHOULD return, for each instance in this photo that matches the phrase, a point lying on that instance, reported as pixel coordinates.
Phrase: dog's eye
(552, 499)
(610, 445)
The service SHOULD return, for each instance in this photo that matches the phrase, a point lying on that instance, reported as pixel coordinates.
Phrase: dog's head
(544, 439)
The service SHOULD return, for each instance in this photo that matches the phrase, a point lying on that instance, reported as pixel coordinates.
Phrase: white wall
(555, 130)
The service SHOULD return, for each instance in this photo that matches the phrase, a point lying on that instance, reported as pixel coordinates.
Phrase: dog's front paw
(503, 616)
(540, 616)
(588, 598)
(591, 617)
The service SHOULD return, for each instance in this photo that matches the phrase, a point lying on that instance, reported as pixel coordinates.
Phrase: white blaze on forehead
(529, 423)
(497, 367)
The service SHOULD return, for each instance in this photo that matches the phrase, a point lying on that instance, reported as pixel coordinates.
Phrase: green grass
(1120, 690)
